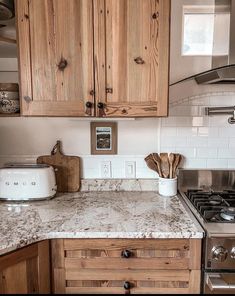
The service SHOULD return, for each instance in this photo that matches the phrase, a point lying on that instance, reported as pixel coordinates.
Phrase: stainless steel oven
(219, 283)
(210, 195)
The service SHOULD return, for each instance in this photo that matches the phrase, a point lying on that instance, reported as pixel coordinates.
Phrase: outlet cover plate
(106, 172)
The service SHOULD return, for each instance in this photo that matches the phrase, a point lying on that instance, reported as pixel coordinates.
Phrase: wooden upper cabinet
(111, 54)
(132, 57)
(56, 57)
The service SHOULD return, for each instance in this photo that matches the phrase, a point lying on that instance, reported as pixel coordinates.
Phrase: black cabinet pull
(88, 108)
(127, 285)
(126, 254)
(101, 107)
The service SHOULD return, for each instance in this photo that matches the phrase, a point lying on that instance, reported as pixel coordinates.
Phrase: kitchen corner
(117, 160)
(96, 214)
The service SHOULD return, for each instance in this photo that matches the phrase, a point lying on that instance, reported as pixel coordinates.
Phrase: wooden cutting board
(67, 169)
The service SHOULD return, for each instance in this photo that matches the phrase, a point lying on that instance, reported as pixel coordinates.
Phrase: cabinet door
(56, 57)
(26, 271)
(132, 60)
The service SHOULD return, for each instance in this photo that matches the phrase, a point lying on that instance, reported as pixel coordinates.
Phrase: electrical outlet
(106, 169)
(130, 169)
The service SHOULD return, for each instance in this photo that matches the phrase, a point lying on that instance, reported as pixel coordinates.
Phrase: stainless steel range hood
(223, 66)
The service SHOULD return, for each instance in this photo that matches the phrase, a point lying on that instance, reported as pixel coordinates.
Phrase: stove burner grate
(214, 206)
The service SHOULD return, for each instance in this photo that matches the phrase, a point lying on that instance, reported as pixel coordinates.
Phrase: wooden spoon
(171, 161)
(157, 160)
(165, 164)
(176, 164)
(151, 163)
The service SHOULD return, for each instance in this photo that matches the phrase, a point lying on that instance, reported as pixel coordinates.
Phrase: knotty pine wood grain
(156, 265)
(134, 28)
(51, 30)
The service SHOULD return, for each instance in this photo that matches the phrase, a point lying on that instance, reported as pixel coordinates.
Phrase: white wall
(205, 142)
(27, 138)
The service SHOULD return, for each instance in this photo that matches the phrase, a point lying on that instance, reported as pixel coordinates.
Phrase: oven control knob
(232, 253)
(219, 254)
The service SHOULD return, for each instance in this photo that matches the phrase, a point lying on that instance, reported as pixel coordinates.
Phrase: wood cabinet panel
(154, 265)
(136, 61)
(26, 271)
(56, 56)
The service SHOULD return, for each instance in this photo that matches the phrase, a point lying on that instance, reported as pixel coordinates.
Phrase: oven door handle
(216, 282)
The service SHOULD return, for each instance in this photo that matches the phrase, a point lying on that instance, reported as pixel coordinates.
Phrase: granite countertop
(95, 215)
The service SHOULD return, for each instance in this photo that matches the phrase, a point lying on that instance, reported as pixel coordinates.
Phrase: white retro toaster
(27, 182)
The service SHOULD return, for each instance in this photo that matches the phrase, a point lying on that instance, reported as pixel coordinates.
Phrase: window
(204, 32)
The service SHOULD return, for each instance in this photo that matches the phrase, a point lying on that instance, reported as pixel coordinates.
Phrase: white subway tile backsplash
(226, 153)
(232, 142)
(187, 152)
(170, 132)
(207, 152)
(219, 120)
(197, 163)
(218, 142)
(184, 111)
(200, 101)
(231, 164)
(208, 131)
(200, 121)
(187, 131)
(173, 141)
(227, 131)
(222, 100)
(197, 142)
(215, 163)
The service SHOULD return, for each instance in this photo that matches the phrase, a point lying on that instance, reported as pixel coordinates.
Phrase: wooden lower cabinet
(126, 266)
(26, 271)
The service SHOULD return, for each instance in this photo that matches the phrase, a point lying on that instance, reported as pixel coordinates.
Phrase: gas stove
(213, 206)
(210, 195)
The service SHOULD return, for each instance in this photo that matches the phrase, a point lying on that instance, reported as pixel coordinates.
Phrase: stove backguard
(216, 180)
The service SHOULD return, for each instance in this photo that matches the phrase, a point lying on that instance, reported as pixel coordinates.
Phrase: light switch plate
(106, 169)
(130, 169)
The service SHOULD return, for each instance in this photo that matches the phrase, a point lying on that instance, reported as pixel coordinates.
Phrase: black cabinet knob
(127, 285)
(100, 105)
(126, 254)
(88, 104)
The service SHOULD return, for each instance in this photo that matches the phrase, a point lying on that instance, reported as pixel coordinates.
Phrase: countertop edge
(102, 235)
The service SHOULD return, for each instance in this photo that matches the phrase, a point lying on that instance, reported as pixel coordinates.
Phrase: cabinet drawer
(127, 254)
(108, 265)
(145, 281)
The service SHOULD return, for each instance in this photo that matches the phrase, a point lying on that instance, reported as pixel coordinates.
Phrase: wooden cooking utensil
(171, 161)
(165, 164)
(176, 164)
(151, 163)
(157, 160)
(67, 169)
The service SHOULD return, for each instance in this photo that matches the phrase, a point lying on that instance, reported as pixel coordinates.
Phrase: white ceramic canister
(167, 187)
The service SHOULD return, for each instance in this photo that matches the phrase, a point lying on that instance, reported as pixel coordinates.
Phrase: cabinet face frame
(132, 73)
(48, 66)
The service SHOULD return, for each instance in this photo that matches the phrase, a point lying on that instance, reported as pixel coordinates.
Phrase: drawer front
(128, 254)
(120, 266)
(133, 282)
